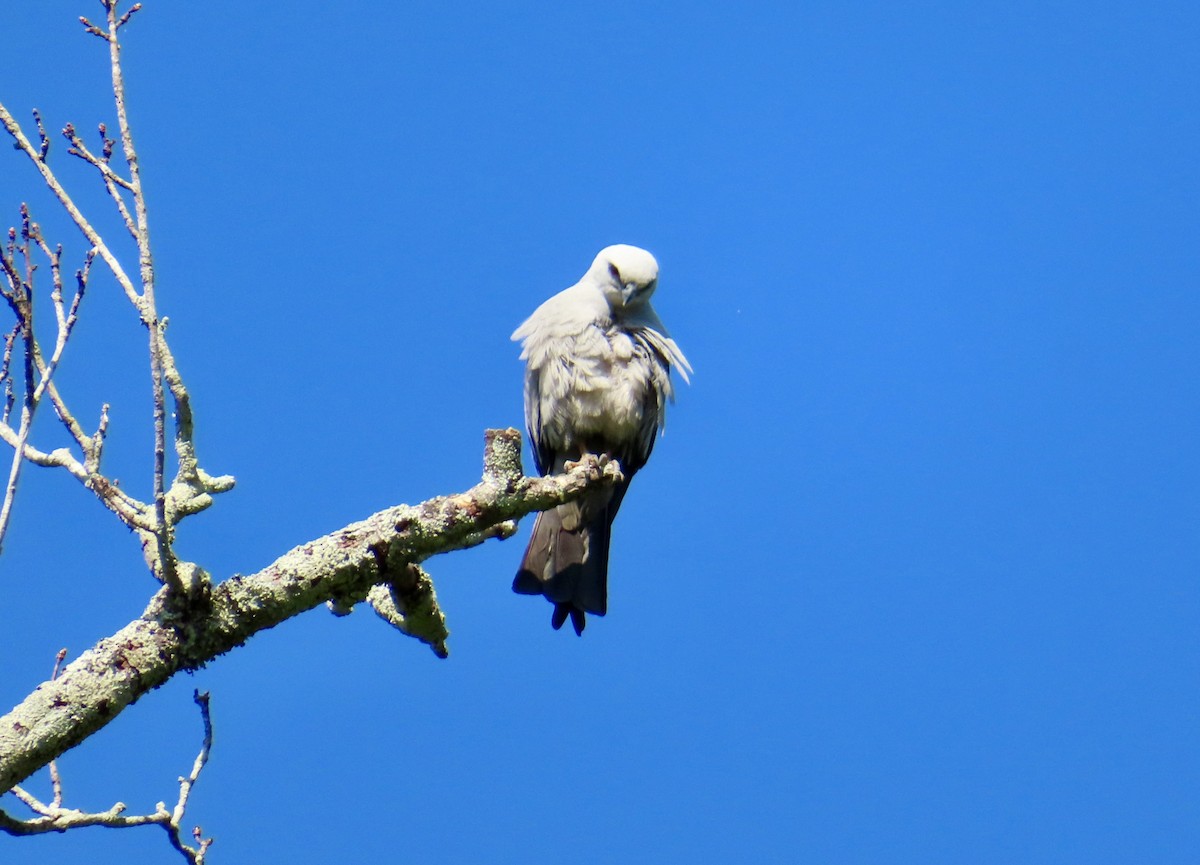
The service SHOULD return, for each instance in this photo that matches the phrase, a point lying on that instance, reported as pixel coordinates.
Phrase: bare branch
(20, 298)
(92, 454)
(97, 686)
(55, 818)
(135, 8)
(161, 557)
(410, 605)
(112, 180)
(19, 294)
(193, 488)
(60, 408)
(5, 372)
(14, 129)
(92, 28)
(45, 139)
(62, 819)
(132, 512)
(186, 785)
(55, 778)
(38, 371)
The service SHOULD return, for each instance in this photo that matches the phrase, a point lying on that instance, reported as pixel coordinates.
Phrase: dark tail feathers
(569, 565)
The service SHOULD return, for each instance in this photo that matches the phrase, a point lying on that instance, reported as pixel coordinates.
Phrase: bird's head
(626, 274)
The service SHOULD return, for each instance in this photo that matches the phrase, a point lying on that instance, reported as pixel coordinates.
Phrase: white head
(626, 274)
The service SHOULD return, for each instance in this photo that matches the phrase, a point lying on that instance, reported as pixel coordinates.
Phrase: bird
(598, 367)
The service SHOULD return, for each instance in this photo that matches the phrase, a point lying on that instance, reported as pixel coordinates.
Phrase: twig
(20, 299)
(55, 778)
(5, 376)
(93, 237)
(192, 488)
(187, 784)
(164, 563)
(45, 139)
(55, 818)
(111, 179)
(38, 371)
(129, 510)
(136, 7)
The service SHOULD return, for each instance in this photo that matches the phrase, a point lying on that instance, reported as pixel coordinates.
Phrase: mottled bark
(340, 568)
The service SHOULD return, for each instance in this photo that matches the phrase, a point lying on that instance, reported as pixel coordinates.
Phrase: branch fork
(192, 489)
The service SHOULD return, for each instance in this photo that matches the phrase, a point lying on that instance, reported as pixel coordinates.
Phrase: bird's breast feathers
(602, 383)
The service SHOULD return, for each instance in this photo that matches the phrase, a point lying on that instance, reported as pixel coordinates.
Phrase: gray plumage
(597, 380)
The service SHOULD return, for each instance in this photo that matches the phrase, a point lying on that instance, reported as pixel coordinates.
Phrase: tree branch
(38, 372)
(93, 237)
(192, 489)
(166, 639)
(53, 817)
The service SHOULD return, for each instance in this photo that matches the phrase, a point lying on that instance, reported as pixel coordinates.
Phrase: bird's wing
(557, 343)
(657, 338)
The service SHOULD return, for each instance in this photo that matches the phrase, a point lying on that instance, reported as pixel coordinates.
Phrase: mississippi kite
(597, 380)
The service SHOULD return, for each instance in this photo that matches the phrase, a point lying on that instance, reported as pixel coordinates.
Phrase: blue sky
(912, 577)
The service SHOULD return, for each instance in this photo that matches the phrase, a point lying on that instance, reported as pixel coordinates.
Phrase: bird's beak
(631, 291)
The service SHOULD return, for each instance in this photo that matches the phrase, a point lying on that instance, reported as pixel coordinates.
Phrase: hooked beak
(631, 291)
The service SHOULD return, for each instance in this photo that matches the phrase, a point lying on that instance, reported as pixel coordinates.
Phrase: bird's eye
(612, 269)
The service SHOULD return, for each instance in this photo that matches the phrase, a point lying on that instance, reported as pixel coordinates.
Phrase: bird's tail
(567, 561)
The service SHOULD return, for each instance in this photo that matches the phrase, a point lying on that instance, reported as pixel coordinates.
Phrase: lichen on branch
(167, 639)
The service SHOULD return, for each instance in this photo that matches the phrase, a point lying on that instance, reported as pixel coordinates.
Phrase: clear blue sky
(913, 577)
